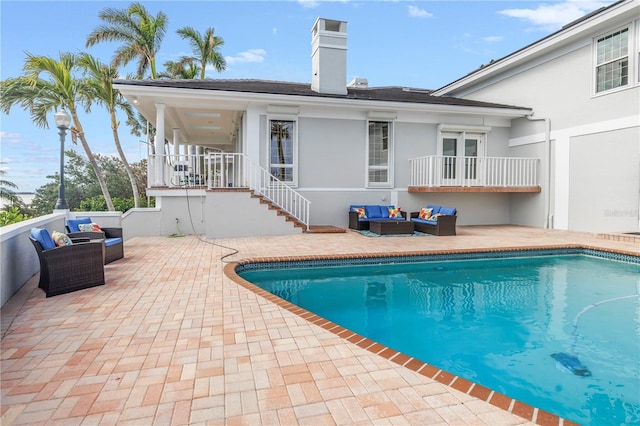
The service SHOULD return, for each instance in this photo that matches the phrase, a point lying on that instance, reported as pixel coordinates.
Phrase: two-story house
(547, 136)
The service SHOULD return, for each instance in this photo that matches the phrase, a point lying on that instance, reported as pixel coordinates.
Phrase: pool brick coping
(497, 399)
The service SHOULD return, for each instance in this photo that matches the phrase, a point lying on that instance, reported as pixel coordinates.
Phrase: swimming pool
(496, 322)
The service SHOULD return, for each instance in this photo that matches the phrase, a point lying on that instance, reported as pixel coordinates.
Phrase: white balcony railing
(228, 170)
(439, 170)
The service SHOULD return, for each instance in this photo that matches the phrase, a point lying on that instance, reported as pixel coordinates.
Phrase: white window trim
(446, 130)
(391, 150)
(633, 55)
(283, 117)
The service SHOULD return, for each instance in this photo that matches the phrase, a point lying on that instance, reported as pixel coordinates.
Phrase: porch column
(251, 142)
(176, 144)
(159, 146)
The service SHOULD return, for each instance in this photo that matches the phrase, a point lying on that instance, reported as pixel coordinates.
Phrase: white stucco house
(548, 136)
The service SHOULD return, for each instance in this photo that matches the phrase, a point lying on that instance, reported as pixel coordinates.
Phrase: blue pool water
(495, 322)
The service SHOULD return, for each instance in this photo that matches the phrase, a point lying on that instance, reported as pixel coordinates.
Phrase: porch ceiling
(200, 122)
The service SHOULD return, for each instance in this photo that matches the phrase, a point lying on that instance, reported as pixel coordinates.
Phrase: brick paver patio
(171, 340)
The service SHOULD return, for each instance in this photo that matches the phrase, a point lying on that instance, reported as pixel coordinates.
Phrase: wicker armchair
(113, 241)
(67, 268)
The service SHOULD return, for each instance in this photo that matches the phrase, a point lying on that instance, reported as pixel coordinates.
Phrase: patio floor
(171, 340)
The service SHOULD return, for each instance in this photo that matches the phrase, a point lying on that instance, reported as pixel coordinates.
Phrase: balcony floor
(171, 340)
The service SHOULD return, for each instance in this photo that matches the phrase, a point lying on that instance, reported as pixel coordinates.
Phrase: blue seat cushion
(449, 211)
(43, 237)
(377, 212)
(108, 242)
(428, 222)
(73, 223)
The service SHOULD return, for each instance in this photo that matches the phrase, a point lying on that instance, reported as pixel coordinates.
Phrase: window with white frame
(379, 153)
(282, 149)
(612, 60)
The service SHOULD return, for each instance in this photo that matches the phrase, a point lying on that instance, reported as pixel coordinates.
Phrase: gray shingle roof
(383, 94)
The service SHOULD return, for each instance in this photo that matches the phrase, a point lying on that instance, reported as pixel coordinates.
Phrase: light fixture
(205, 127)
(63, 120)
(135, 100)
(202, 114)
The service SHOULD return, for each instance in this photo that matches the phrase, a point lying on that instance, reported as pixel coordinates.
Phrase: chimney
(329, 56)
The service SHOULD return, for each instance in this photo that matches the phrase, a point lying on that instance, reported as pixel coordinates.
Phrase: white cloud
(416, 12)
(315, 3)
(550, 17)
(251, 55)
(11, 138)
(308, 3)
(492, 39)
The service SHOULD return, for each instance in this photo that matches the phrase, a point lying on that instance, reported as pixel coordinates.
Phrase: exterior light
(63, 120)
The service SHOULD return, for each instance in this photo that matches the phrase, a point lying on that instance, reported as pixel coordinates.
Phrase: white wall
(604, 177)
(18, 257)
(237, 214)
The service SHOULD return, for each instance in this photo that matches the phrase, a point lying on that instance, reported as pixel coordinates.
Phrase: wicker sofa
(113, 241)
(443, 222)
(67, 268)
(371, 212)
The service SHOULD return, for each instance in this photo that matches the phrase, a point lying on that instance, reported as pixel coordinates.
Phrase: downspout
(548, 221)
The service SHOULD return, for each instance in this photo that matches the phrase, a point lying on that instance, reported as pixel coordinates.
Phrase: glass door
(449, 161)
(471, 148)
(460, 154)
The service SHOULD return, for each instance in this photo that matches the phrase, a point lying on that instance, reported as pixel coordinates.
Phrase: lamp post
(62, 123)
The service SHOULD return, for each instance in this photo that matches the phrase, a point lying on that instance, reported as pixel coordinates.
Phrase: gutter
(548, 220)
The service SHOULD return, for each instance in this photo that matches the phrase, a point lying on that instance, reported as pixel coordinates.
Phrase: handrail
(236, 170)
(229, 170)
(443, 170)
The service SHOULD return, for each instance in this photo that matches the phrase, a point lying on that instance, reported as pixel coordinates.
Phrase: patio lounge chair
(68, 268)
(113, 241)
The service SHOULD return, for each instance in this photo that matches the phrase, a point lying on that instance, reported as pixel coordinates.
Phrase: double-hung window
(380, 154)
(282, 150)
(612, 60)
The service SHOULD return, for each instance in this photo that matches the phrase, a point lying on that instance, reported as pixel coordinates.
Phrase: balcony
(441, 173)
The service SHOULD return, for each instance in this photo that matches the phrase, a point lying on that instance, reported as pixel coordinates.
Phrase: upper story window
(282, 149)
(379, 153)
(612, 60)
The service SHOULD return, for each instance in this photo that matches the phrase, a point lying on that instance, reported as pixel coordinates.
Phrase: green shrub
(12, 215)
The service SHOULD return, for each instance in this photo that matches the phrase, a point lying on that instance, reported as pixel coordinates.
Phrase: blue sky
(423, 44)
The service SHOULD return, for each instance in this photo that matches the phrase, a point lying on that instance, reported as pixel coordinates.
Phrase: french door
(460, 153)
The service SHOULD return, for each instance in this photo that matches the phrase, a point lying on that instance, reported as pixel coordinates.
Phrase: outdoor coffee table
(387, 227)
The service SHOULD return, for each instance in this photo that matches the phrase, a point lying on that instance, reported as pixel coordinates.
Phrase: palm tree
(100, 89)
(7, 189)
(40, 96)
(183, 69)
(205, 48)
(141, 33)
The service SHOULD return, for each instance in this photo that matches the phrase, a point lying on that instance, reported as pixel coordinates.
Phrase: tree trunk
(92, 160)
(132, 178)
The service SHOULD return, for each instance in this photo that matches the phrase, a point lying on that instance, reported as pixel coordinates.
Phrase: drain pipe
(548, 221)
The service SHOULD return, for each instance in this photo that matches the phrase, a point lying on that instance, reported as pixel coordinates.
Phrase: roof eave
(132, 91)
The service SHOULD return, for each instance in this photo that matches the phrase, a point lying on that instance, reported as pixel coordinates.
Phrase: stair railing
(236, 170)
